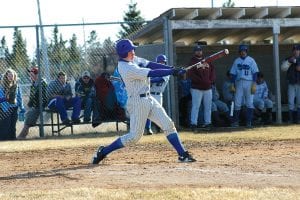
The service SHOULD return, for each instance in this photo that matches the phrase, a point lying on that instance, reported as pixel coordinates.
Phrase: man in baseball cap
(141, 105)
(34, 70)
(33, 112)
(85, 89)
(198, 48)
(86, 74)
(296, 47)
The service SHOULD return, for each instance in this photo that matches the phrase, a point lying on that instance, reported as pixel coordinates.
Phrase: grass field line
(224, 171)
(265, 134)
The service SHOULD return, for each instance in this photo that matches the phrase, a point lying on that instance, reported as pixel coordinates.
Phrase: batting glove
(253, 88)
(292, 60)
(232, 88)
(178, 71)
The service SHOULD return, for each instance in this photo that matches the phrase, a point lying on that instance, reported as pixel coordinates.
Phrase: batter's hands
(232, 88)
(253, 88)
(178, 71)
(203, 65)
(292, 60)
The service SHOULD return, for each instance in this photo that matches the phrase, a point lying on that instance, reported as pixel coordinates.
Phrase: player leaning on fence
(33, 105)
(141, 105)
(10, 101)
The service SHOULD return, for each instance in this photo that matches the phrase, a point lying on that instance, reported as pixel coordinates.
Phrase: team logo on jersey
(243, 67)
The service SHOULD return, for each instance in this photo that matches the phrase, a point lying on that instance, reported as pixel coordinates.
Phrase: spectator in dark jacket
(85, 89)
(33, 111)
(108, 105)
(202, 77)
(61, 98)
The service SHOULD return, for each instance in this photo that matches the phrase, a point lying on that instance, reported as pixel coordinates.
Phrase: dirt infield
(249, 164)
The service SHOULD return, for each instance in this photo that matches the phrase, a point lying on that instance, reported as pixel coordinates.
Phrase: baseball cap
(86, 73)
(243, 47)
(34, 70)
(296, 47)
(198, 48)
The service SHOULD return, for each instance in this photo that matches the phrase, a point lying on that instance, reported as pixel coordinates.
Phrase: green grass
(161, 194)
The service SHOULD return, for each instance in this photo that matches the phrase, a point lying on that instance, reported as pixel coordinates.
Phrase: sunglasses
(86, 77)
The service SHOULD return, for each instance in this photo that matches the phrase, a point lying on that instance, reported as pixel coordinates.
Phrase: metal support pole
(276, 31)
(44, 47)
(41, 126)
(171, 88)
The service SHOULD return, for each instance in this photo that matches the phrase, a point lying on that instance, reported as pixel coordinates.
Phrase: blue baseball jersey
(262, 91)
(244, 68)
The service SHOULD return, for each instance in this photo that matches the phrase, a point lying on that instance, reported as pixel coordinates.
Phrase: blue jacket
(18, 100)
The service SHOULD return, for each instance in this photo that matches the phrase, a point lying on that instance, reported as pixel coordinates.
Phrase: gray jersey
(160, 87)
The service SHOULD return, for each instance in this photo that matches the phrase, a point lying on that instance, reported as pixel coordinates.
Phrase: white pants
(159, 98)
(197, 97)
(294, 92)
(243, 94)
(140, 109)
(262, 103)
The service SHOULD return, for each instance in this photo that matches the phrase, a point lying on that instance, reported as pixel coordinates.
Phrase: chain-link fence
(41, 63)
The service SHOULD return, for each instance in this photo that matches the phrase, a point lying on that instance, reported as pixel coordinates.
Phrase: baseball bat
(211, 58)
(231, 108)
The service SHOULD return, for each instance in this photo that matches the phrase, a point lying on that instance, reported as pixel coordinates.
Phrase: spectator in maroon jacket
(202, 77)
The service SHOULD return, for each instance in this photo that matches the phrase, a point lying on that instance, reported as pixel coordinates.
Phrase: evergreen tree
(94, 51)
(108, 46)
(4, 58)
(4, 49)
(93, 41)
(73, 50)
(229, 3)
(19, 58)
(57, 52)
(132, 21)
(74, 56)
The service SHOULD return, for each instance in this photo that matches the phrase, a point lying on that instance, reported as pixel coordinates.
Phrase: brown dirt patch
(254, 164)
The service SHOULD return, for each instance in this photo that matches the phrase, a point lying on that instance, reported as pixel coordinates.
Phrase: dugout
(270, 33)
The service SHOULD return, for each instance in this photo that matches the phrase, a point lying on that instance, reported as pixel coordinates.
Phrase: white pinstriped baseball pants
(140, 109)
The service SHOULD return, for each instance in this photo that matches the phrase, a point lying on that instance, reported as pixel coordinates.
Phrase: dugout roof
(253, 25)
(179, 27)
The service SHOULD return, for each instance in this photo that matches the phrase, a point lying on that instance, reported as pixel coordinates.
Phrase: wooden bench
(57, 126)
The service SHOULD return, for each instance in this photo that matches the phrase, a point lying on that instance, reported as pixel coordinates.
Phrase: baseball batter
(140, 104)
(244, 73)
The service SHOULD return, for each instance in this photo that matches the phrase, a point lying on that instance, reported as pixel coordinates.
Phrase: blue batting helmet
(123, 47)
(161, 58)
(243, 47)
(296, 47)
